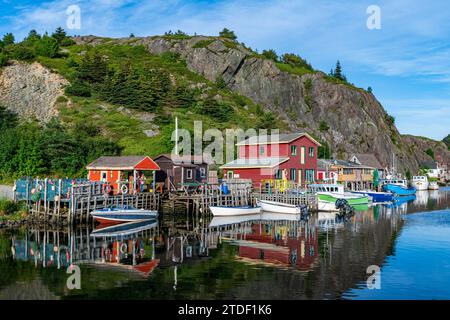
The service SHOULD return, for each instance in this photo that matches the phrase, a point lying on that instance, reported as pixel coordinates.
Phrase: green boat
(327, 200)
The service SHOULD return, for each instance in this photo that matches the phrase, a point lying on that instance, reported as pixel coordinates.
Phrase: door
(299, 176)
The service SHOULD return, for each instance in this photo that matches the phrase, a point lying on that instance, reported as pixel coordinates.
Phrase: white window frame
(189, 174)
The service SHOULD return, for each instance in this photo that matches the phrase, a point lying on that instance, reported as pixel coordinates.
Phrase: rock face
(30, 90)
(348, 119)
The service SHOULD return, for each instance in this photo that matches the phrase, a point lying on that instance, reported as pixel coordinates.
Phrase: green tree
(8, 39)
(369, 89)
(338, 71)
(220, 82)
(267, 121)
(295, 61)
(93, 68)
(59, 35)
(47, 47)
(22, 52)
(430, 152)
(3, 59)
(270, 54)
(33, 36)
(323, 126)
(226, 33)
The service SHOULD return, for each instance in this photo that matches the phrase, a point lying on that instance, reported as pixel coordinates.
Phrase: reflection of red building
(273, 244)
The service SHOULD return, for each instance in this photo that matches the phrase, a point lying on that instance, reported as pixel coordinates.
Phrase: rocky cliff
(30, 90)
(347, 118)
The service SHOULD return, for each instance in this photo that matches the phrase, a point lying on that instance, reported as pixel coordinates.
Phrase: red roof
(123, 163)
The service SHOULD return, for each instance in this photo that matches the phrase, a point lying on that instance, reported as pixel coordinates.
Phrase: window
(302, 155)
(309, 175)
(202, 172)
(348, 171)
(293, 175)
(230, 174)
(278, 174)
(294, 150)
(311, 152)
(189, 174)
(104, 176)
(261, 149)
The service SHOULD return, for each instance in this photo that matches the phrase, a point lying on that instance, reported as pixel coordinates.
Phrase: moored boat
(433, 185)
(399, 190)
(377, 196)
(420, 183)
(327, 200)
(117, 215)
(273, 206)
(233, 211)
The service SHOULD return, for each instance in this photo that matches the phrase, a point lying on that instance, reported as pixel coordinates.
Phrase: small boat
(327, 200)
(233, 211)
(433, 185)
(273, 206)
(115, 215)
(328, 194)
(377, 196)
(420, 183)
(399, 190)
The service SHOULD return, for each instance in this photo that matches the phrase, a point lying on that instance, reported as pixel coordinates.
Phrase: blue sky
(406, 62)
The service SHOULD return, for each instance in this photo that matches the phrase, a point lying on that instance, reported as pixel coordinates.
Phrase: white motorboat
(233, 211)
(116, 215)
(273, 206)
(433, 185)
(420, 183)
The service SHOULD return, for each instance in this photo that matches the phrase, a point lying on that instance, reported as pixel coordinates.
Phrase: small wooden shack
(184, 170)
(127, 174)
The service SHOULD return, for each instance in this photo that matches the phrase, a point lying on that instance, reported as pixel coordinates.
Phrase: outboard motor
(304, 211)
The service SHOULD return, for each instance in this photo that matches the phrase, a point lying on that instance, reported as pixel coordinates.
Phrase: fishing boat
(234, 211)
(433, 185)
(398, 187)
(115, 215)
(273, 206)
(420, 183)
(377, 196)
(328, 194)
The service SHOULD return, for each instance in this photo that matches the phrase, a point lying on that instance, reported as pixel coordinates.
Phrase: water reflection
(264, 256)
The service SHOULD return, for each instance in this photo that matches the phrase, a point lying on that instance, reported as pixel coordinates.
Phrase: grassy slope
(126, 126)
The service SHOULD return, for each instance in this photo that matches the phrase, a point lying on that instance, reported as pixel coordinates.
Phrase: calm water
(257, 257)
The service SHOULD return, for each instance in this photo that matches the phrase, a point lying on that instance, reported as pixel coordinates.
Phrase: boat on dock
(234, 211)
(420, 183)
(329, 194)
(376, 196)
(115, 215)
(279, 207)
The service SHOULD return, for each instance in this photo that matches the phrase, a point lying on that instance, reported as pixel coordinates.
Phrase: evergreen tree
(338, 71)
(93, 68)
(8, 39)
(59, 35)
(33, 36)
(47, 47)
(369, 89)
(226, 33)
(270, 54)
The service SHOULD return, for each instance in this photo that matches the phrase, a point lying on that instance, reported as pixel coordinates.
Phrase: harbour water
(257, 257)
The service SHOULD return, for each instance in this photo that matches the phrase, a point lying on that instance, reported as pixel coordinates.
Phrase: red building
(286, 156)
(128, 173)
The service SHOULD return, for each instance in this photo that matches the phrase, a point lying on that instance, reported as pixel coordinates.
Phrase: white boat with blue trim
(234, 210)
(114, 215)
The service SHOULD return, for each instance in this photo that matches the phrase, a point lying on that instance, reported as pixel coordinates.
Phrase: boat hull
(433, 186)
(272, 206)
(399, 190)
(378, 196)
(219, 211)
(115, 217)
(327, 201)
(420, 186)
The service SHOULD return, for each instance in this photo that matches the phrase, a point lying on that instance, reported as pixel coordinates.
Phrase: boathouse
(265, 158)
(370, 160)
(126, 174)
(352, 175)
(184, 170)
